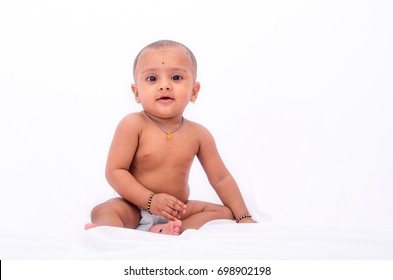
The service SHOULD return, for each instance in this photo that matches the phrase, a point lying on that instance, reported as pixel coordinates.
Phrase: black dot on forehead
(162, 63)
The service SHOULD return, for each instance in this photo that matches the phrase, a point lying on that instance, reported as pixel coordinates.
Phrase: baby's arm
(220, 178)
(120, 157)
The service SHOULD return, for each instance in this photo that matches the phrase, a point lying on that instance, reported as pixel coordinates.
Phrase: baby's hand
(167, 206)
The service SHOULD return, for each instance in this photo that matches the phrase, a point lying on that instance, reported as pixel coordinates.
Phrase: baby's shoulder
(133, 119)
(132, 122)
(198, 129)
(194, 125)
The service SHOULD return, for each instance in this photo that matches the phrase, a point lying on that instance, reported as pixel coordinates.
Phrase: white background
(299, 95)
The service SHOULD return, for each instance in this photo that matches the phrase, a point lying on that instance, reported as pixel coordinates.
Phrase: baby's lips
(165, 98)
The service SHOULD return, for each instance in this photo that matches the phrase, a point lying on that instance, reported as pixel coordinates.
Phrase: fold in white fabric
(216, 240)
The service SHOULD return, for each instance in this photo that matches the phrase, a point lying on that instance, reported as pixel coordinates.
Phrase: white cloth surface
(216, 240)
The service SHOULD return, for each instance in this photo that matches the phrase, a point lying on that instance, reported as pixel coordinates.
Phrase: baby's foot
(90, 225)
(171, 228)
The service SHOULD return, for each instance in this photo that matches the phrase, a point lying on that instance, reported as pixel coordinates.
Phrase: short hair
(163, 44)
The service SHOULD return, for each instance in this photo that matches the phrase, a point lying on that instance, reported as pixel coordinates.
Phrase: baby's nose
(165, 86)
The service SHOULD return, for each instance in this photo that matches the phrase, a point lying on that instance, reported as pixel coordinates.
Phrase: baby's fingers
(174, 208)
(171, 214)
(177, 205)
(168, 206)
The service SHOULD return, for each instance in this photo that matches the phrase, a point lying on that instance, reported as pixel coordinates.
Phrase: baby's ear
(134, 89)
(195, 91)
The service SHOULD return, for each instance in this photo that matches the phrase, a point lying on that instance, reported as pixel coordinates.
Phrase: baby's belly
(176, 186)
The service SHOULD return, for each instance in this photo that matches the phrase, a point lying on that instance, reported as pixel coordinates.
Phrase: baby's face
(165, 81)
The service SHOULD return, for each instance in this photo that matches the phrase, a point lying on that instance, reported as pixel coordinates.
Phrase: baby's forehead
(164, 55)
(168, 52)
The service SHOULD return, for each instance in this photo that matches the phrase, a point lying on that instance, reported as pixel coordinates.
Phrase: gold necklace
(168, 133)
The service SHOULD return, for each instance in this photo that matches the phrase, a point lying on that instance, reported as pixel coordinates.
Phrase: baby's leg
(171, 228)
(115, 212)
(199, 213)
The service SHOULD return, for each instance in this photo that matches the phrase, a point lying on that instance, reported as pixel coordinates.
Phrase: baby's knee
(98, 210)
(107, 206)
(116, 211)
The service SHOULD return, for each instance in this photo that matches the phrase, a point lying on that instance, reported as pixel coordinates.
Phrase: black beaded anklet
(243, 217)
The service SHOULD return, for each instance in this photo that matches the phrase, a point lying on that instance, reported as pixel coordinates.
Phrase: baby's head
(162, 44)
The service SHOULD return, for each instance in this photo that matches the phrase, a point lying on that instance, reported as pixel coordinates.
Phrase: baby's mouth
(165, 98)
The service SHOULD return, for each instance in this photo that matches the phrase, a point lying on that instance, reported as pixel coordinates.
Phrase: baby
(152, 152)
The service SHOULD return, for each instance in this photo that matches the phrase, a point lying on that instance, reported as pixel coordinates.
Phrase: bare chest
(156, 151)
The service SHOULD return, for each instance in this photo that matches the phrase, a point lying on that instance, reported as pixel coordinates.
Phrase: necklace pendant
(169, 135)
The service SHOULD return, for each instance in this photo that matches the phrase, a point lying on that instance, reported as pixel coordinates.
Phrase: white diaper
(148, 220)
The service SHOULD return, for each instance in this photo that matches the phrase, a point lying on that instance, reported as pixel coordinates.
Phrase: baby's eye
(177, 77)
(151, 79)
